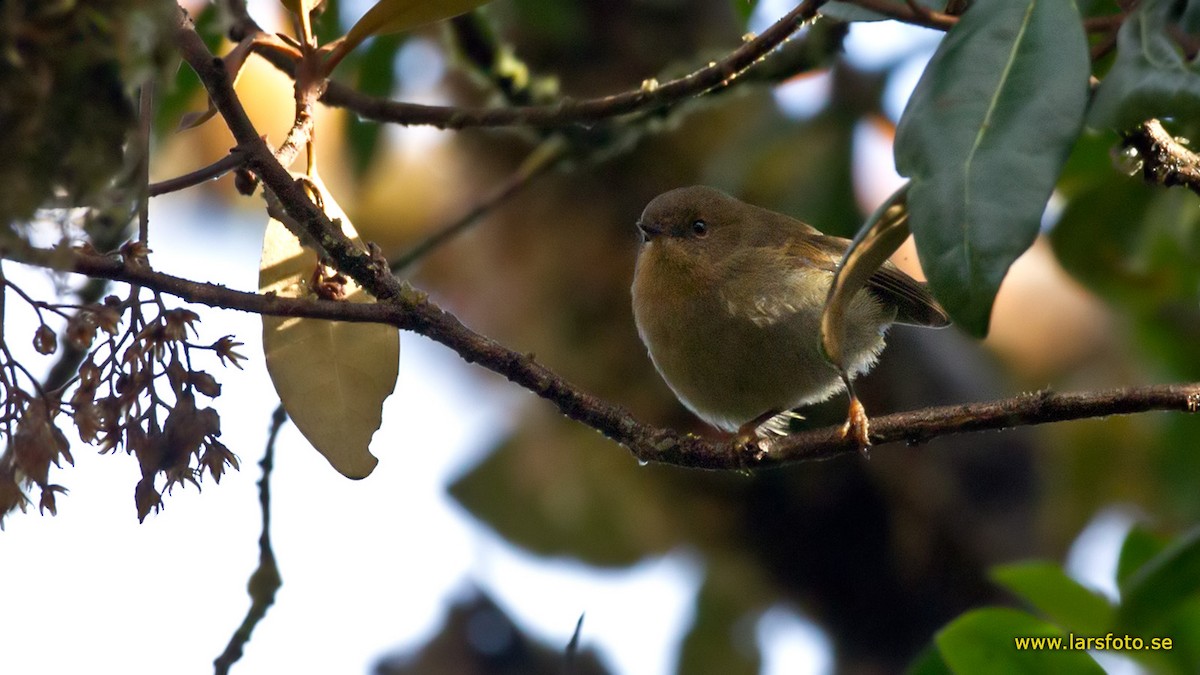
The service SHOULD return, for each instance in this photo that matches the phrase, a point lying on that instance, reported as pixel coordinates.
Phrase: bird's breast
(729, 354)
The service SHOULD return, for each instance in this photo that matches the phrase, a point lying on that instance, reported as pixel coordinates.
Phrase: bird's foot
(858, 426)
(750, 443)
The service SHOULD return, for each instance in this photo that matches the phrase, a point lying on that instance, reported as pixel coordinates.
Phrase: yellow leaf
(301, 7)
(332, 376)
(394, 16)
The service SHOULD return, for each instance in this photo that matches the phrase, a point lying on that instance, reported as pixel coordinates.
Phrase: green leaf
(299, 7)
(744, 9)
(1162, 585)
(1150, 77)
(1096, 237)
(929, 662)
(984, 138)
(1141, 545)
(984, 642)
(1184, 631)
(186, 87)
(395, 16)
(1132, 243)
(1057, 596)
(716, 642)
(329, 26)
(591, 505)
(845, 11)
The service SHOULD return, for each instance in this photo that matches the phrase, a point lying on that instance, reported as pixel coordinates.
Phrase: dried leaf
(331, 376)
(298, 7)
(44, 340)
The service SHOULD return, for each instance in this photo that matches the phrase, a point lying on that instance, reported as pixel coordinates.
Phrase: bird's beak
(648, 231)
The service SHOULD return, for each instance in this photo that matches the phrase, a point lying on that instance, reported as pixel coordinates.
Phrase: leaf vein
(983, 129)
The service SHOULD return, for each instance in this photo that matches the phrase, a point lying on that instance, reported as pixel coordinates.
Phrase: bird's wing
(914, 304)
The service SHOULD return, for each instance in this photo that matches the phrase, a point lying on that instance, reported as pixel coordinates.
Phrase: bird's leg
(857, 425)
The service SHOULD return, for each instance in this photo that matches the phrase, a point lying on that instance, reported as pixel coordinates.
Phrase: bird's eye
(700, 228)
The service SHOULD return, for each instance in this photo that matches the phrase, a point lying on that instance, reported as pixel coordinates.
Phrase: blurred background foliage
(880, 554)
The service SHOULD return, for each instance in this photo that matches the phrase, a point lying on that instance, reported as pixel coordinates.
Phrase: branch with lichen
(410, 310)
(153, 427)
(650, 95)
(407, 309)
(1165, 160)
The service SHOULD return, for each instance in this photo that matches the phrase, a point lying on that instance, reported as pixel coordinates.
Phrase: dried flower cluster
(135, 391)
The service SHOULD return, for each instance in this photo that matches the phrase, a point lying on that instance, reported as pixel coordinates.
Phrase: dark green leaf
(984, 642)
(1090, 161)
(1057, 596)
(744, 9)
(1141, 545)
(1132, 243)
(984, 138)
(328, 27)
(595, 506)
(1161, 585)
(929, 662)
(717, 642)
(845, 11)
(1151, 77)
(1173, 460)
(1097, 234)
(1184, 632)
(183, 92)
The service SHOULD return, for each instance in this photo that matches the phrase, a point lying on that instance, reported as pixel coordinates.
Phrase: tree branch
(549, 154)
(410, 310)
(717, 75)
(213, 171)
(1165, 160)
(407, 309)
(906, 12)
(265, 580)
(370, 273)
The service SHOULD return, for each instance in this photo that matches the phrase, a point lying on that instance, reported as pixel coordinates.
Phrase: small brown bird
(728, 298)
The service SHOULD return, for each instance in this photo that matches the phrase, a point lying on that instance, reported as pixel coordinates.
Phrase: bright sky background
(368, 567)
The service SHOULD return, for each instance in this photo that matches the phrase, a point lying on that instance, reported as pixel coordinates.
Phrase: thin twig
(717, 75)
(410, 310)
(265, 581)
(910, 12)
(145, 121)
(211, 172)
(571, 655)
(907, 13)
(543, 158)
(241, 23)
(370, 272)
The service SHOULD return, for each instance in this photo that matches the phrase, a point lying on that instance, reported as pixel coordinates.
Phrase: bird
(728, 296)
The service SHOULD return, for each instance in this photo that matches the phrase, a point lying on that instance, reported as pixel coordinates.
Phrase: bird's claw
(858, 426)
